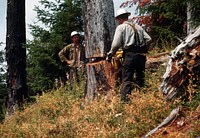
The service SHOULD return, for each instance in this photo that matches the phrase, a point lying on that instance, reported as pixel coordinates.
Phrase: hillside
(60, 113)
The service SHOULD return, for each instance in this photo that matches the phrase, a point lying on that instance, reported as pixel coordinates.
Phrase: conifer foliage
(59, 18)
(164, 18)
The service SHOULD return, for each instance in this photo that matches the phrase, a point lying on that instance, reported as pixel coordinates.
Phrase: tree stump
(100, 78)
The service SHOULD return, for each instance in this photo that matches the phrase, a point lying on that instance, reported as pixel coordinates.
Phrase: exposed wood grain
(184, 64)
(100, 79)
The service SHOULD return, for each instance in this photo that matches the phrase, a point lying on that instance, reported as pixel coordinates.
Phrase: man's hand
(109, 57)
(70, 63)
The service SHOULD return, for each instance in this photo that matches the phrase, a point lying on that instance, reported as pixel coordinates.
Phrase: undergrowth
(59, 114)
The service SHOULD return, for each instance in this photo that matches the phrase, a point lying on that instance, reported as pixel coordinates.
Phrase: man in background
(74, 56)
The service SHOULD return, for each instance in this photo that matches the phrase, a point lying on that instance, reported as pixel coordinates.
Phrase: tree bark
(99, 28)
(192, 16)
(183, 65)
(16, 54)
(100, 79)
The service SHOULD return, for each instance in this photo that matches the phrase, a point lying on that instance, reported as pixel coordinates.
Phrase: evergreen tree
(165, 19)
(3, 89)
(60, 19)
(168, 20)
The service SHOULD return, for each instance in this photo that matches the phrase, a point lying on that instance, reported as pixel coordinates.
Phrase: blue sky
(3, 20)
(30, 16)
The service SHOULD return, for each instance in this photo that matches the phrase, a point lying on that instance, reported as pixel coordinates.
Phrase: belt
(136, 50)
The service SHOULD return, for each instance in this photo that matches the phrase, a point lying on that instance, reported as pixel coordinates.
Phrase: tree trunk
(100, 78)
(16, 54)
(192, 16)
(99, 28)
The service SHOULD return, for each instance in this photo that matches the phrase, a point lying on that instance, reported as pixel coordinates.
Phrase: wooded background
(163, 19)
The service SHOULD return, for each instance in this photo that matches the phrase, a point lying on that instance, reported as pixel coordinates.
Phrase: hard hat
(74, 33)
(122, 11)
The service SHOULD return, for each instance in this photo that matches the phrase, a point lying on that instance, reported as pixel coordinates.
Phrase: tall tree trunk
(99, 30)
(192, 16)
(16, 54)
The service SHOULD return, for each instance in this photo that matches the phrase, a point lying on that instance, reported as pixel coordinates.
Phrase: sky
(30, 16)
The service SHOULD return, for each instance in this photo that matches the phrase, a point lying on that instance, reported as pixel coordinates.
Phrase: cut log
(184, 64)
(156, 60)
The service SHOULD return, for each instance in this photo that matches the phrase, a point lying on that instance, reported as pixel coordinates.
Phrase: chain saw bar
(117, 56)
(96, 59)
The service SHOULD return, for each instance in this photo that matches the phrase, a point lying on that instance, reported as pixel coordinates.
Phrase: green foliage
(43, 66)
(3, 89)
(168, 20)
(60, 19)
(165, 20)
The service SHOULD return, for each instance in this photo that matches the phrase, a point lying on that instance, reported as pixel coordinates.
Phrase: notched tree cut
(100, 79)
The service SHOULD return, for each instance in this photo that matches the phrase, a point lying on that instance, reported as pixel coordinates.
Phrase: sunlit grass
(59, 114)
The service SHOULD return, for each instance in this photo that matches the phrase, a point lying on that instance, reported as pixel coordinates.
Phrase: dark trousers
(73, 74)
(76, 74)
(134, 65)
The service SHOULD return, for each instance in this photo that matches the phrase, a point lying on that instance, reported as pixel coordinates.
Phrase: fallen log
(156, 60)
(165, 122)
(183, 65)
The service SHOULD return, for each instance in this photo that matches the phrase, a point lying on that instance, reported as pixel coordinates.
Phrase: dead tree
(16, 54)
(192, 16)
(99, 30)
(183, 66)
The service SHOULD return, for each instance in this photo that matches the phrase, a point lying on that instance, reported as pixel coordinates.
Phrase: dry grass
(59, 114)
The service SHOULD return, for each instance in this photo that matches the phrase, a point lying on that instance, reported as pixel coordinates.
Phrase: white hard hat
(122, 11)
(74, 33)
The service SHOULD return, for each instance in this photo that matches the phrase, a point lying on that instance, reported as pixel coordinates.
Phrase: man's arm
(117, 42)
(62, 56)
(147, 38)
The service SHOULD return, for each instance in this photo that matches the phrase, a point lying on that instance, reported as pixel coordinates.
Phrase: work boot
(125, 99)
(125, 91)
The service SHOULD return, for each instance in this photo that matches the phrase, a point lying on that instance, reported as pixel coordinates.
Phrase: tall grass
(58, 114)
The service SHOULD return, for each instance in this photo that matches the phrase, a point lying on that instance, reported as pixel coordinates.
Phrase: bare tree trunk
(192, 16)
(99, 30)
(16, 54)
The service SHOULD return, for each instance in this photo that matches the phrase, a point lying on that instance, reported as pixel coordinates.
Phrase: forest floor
(62, 113)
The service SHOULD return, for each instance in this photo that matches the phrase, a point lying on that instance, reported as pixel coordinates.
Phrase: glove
(109, 57)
